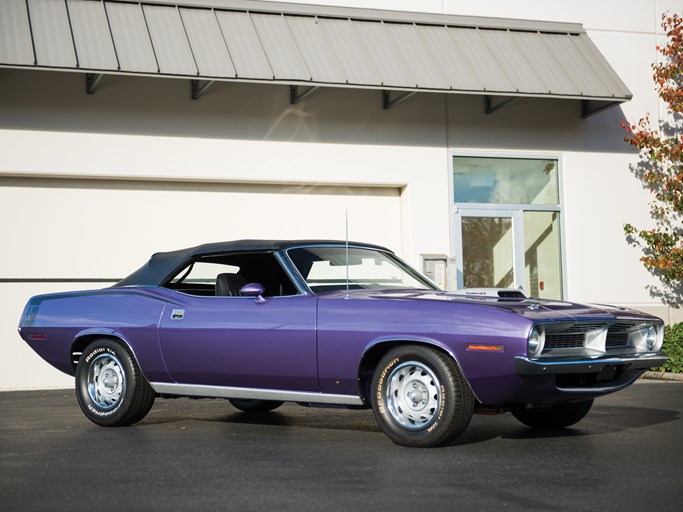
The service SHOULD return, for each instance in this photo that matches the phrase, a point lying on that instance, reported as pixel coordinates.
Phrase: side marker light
(485, 348)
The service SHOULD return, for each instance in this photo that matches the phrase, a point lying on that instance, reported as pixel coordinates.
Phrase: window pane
(487, 252)
(205, 273)
(325, 269)
(542, 254)
(505, 180)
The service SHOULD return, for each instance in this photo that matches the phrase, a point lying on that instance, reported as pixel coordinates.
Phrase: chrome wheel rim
(413, 395)
(106, 381)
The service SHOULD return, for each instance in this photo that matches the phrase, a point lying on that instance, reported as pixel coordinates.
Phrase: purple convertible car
(323, 322)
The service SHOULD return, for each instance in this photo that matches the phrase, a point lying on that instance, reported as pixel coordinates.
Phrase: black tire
(420, 397)
(553, 417)
(247, 405)
(111, 389)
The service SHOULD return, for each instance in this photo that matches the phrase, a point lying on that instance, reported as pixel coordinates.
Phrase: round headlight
(536, 341)
(651, 337)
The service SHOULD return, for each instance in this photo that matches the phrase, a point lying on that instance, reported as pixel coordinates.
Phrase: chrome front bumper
(566, 365)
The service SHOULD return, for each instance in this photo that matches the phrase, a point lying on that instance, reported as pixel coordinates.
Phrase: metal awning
(308, 46)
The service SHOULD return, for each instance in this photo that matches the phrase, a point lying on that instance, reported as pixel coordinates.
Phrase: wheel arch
(375, 351)
(84, 339)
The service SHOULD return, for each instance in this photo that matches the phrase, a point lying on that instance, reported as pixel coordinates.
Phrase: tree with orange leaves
(661, 167)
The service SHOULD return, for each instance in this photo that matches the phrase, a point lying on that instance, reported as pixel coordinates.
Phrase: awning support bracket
(91, 81)
(198, 88)
(490, 107)
(387, 102)
(295, 96)
(591, 107)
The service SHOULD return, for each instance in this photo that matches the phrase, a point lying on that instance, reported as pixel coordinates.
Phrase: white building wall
(148, 131)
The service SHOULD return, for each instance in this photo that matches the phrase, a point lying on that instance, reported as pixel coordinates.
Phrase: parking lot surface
(205, 455)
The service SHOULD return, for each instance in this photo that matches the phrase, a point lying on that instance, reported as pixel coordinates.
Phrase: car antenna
(347, 254)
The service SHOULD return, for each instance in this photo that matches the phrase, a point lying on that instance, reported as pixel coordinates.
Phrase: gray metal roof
(308, 45)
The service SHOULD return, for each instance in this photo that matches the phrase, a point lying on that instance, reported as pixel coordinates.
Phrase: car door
(241, 342)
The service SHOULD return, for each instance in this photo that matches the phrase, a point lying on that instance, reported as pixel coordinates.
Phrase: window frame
(390, 255)
(277, 256)
(515, 211)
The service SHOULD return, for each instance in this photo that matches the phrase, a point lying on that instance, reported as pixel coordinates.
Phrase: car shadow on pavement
(606, 419)
(603, 419)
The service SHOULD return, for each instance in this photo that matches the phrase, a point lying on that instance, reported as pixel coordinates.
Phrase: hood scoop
(500, 293)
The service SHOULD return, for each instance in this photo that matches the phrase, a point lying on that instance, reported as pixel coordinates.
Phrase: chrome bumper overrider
(559, 366)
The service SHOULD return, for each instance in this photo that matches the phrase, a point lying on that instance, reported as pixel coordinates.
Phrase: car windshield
(325, 269)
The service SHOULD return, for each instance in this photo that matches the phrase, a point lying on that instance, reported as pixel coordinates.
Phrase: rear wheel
(110, 387)
(248, 405)
(420, 397)
(553, 417)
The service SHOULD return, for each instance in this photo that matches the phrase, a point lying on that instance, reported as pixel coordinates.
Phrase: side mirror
(253, 290)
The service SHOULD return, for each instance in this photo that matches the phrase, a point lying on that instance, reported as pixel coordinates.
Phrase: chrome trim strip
(253, 394)
(545, 366)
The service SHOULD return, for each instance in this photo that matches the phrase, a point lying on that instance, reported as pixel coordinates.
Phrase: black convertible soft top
(161, 264)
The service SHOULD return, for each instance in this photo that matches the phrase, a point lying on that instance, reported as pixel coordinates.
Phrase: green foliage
(673, 347)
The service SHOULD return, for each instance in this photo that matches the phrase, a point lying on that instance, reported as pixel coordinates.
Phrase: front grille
(559, 341)
(619, 333)
(572, 336)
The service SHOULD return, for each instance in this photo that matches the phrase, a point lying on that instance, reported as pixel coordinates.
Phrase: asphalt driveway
(204, 455)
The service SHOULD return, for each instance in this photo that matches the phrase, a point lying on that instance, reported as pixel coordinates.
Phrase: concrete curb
(677, 377)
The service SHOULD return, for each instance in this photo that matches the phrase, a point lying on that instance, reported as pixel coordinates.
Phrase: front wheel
(420, 397)
(110, 387)
(553, 417)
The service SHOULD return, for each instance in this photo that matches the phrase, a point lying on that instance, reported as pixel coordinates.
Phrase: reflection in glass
(505, 180)
(487, 248)
(542, 254)
(336, 268)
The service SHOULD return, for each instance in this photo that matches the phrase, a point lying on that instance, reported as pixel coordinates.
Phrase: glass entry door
(509, 248)
(487, 246)
(507, 223)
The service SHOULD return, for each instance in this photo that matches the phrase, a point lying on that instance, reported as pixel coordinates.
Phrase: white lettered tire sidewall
(123, 376)
(451, 395)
